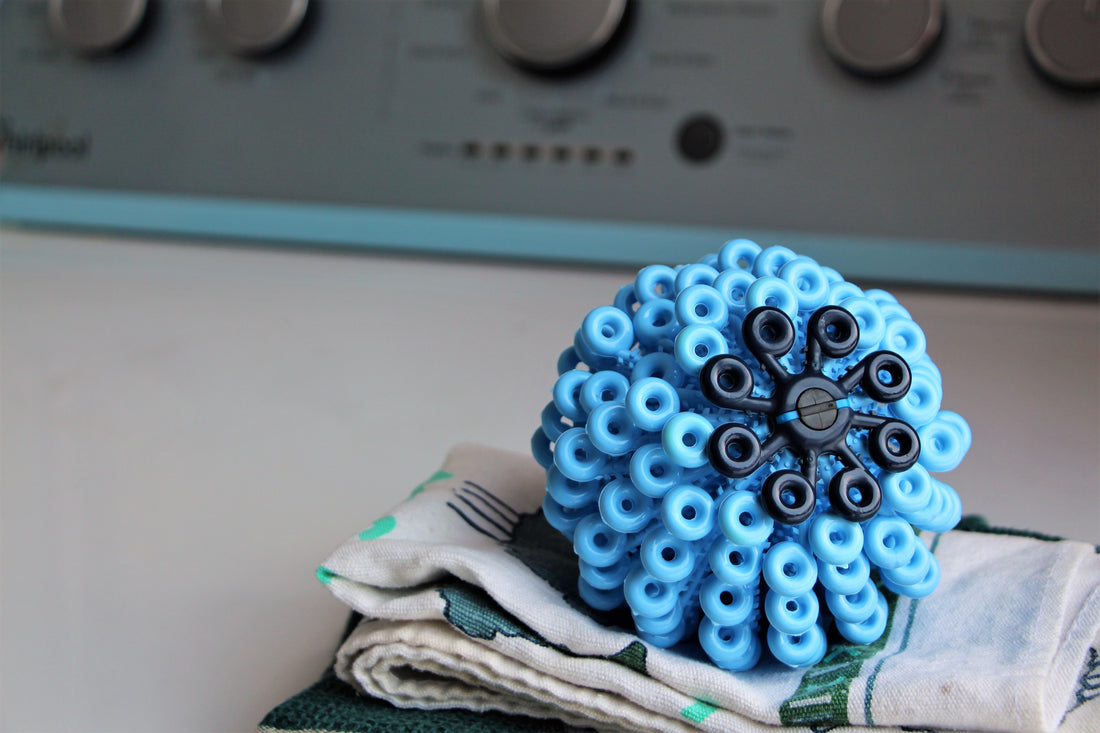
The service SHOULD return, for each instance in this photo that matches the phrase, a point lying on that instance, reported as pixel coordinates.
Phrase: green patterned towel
(469, 604)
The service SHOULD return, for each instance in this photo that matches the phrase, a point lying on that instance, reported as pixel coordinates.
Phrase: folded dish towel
(468, 601)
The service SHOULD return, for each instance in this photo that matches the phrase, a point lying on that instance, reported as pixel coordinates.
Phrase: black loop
(869, 494)
(734, 450)
(725, 380)
(887, 377)
(894, 445)
(788, 497)
(768, 330)
(835, 330)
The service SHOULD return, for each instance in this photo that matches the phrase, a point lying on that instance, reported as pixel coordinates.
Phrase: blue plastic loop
(655, 323)
(607, 331)
(888, 542)
(665, 641)
(541, 450)
(743, 519)
(684, 438)
(665, 556)
(710, 260)
(921, 589)
(833, 275)
(791, 615)
(658, 365)
(688, 512)
(871, 628)
(725, 604)
(568, 360)
(653, 282)
(913, 571)
(625, 300)
(553, 423)
(623, 507)
(648, 596)
(738, 254)
(921, 403)
(845, 579)
(563, 519)
(797, 650)
(611, 430)
(773, 292)
(807, 280)
(567, 394)
(702, 305)
(960, 424)
(696, 344)
(872, 326)
(893, 311)
(569, 493)
(576, 457)
(904, 337)
(651, 402)
(841, 290)
(789, 569)
(927, 366)
(601, 600)
(696, 274)
(907, 492)
(835, 540)
(605, 578)
(771, 260)
(733, 286)
(604, 386)
(853, 607)
(943, 511)
(652, 471)
(735, 648)
(596, 543)
(660, 626)
(881, 296)
(942, 444)
(734, 564)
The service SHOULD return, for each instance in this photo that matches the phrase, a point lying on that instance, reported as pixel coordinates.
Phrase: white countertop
(189, 429)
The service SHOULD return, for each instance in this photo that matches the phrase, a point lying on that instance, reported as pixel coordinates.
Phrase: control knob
(881, 37)
(1063, 38)
(552, 35)
(253, 27)
(95, 26)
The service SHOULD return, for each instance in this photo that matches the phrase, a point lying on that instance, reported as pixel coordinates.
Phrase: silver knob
(95, 26)
(881, 37)
(256, 26)
(552, 35)
(1063, 38)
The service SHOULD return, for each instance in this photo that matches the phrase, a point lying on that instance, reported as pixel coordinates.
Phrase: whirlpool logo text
(40, 144)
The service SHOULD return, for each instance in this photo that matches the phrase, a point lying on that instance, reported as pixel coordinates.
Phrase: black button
(700, 138)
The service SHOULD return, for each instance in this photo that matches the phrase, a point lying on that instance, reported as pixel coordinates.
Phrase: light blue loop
(576, 457)
(710, 260)
(921, 403)
(696, 344)
(881, 296)
(835, 540)
(601, 600)
(607, 331)
(832, 275)
(845, 579)
(841, 290)
(942, 513)
(913, 571)
(567, 394)
(702, 305)
(904, 337)
(626, 300)
(651, 402)
(960, 424)
(855, 607)
(738, 254)
(888, 542)
(942, 445)
(569, 493)
(660, 626)
(604, 386)
(789, 569)
(893, 311)
(665, 641)
(659, 365)
(568, 360)
(696, 274)
(772, 292)
(907, 492)
(771, 260)
(623, 508)
(648, 596)
(734, 564)
(801, 650)
(734, 648)
(807, 280)
(552, 421)
(743, 520)
(665, 556)
(596, 543)
(684, 438)
(927, 366)
(921, 589)
(652, 471)
(733, 286)
(791, 615)
(688, 512)
(655, 323)
(654, 282)
(563, 519)
(605, 578)
(725, 604)
(872, 326)
(870, 629)
(611, 430)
